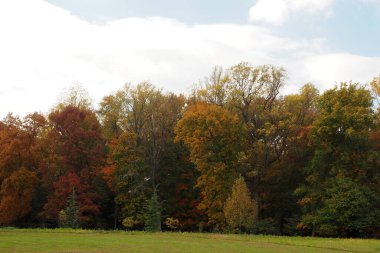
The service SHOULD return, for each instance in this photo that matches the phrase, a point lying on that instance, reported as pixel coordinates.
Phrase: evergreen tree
(153, 214)
(71, 212)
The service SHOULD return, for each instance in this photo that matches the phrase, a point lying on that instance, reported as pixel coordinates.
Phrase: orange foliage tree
(19, 159)
(17, 193)
(215, 139)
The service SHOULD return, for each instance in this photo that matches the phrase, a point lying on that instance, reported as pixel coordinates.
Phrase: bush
(172, 223)
(129, 223)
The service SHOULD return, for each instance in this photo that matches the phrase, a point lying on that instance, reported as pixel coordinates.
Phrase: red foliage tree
(74, 160)
(63, 188)
(77, 138)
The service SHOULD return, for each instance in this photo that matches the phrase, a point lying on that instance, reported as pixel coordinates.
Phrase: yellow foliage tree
(240, 210)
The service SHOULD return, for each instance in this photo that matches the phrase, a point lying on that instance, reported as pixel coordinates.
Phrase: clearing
(78, 241)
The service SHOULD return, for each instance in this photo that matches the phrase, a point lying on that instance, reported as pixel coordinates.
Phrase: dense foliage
(234, 155)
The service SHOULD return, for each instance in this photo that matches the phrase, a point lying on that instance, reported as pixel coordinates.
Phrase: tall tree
(215, 138)
(285, 174)
(141, 120)
(75, 147)
(342, 154)
(19, 160)
(252, 93)
(214, 89)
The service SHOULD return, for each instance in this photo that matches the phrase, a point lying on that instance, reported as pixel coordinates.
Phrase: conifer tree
(71, 212)
(153, 214)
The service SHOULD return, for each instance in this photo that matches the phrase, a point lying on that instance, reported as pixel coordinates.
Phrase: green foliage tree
(72, 211)
(240, 210)
(348, 210)
(153, 214)
(341, 161)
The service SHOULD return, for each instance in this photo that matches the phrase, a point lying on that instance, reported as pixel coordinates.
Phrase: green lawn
(29, 240)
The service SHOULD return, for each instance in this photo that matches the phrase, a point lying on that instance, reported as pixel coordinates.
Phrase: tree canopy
(233, 155)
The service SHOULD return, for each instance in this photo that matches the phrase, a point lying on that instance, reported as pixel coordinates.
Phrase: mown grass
(79, 241)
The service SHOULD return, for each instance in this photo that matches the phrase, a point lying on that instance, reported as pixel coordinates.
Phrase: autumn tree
(19, 160)
(76, 96)
(63, 188)
(126, 175)
(17, 192)
(124, 117)
(177, 180)
(112, 114)
(214, 89)
(139, 122)
(240, 210)
(76, 133)
(286, 174)
(375, 87)
(215, 138)
(252, 93)
(75, 156)
(310, 162)
(276, 133)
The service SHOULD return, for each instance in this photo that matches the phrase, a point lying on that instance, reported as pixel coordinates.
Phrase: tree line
(233, 156)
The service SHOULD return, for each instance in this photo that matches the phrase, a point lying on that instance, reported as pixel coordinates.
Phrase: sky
(47, 46)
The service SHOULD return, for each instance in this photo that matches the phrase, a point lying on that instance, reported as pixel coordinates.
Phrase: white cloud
(333, 68)
(44, 49)
(277, 11)
(272, 11)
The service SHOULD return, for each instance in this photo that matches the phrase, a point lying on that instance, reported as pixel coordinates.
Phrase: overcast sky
(46, 46)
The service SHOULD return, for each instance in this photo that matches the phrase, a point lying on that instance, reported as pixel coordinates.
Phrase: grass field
(38, 240)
